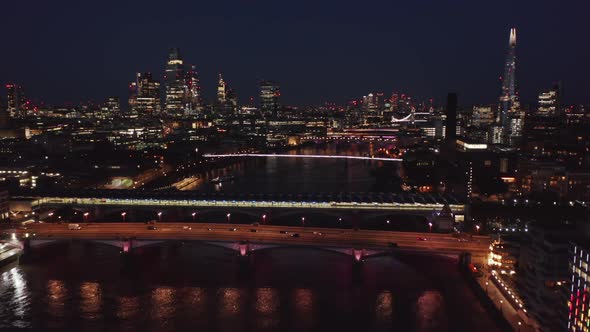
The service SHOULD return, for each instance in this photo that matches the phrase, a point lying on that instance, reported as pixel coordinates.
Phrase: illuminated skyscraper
(549, 102)
(144, 95)
(269, 97)
(221, 91)
(510, 116)
(193, 97)
(17, 104)
(175, 83)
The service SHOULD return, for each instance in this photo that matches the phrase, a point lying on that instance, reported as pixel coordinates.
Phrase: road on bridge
(284, 235)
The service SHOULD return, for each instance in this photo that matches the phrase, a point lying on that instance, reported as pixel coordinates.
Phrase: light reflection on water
(56, 297)
(267, 303)
(14, 299)
(384, 306)
(275, 295)
(91, 300)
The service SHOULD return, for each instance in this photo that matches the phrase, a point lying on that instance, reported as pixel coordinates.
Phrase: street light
(519, 324)
(477, 229)
(264, 219)
(387, 221)
(86, 216)
(160, 216)
(228, 216)
(430, 227)
(501, 303)
(194, 214)
(123, 214)
(303, 221)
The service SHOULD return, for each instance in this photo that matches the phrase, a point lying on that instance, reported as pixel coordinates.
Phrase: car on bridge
(152, 228)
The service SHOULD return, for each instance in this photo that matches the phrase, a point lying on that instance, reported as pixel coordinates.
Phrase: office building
(175, 83)
(144, 95)
(451, 121)
(269, 97)
(548, 102)
(17, 104)
(193, 98)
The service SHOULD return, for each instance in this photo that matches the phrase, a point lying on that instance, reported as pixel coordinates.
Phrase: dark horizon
(333, 52)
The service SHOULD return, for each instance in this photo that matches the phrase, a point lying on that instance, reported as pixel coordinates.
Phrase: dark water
(200, 287)
(294, 175)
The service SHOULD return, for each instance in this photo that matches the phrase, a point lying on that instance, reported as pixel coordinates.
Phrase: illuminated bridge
(298, 156)
(369, 204)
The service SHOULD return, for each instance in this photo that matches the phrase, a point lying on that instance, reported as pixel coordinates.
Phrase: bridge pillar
(244, 248)
(126, 246)
(357, 255)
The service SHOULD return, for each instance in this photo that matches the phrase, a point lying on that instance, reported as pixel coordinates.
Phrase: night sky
(68, 51)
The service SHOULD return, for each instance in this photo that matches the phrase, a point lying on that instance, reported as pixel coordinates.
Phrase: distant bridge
(299, 156)
(380, 203)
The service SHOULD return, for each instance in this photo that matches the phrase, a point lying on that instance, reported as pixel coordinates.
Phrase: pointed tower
(509, 115)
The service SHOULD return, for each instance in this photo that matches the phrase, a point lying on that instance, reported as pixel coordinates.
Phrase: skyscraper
(16, 100)
(269, 97)
(175, 83)
(548, 102)
(144, 95)
(510, 116)
(451, 123)
(221, 91)
(193, 97)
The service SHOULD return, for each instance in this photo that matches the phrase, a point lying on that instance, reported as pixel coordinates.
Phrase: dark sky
(321, 50)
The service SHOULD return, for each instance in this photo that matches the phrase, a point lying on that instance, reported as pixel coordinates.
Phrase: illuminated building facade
(221, 93)
(269, 97)
(110, 108)
(509, 114)
(548, 102)
(193, 98)
(175, 83)
(144, 95)
(17, 103)
(578, 303)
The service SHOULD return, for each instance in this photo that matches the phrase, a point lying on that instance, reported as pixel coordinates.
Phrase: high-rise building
(509, 107)
(17, 104)
(269, 97)
(110, 107)
(451, 122)
(175, 83)
(193, 98)
(221, 91)
(144, 95)
(548, 102)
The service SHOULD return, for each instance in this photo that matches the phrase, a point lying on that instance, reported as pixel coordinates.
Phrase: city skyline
(334, 55)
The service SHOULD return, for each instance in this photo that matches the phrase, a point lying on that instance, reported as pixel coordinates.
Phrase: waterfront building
(578, 303)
